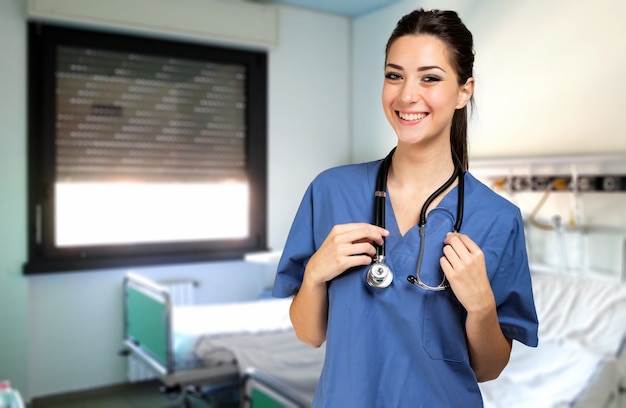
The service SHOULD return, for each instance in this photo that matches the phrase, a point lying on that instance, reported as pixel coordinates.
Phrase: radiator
(182, 293)
(137, 371)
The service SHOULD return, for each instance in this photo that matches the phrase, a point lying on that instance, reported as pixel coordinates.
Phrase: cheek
(442, 99)
(387, 103)
(387, 96)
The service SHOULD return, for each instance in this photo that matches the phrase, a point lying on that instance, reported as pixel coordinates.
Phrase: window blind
(129, 117)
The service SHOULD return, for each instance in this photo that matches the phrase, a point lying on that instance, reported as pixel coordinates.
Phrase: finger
(365, 233)
(458, 238)
(338, 247)
(360, 260)
(362, 248)
(446, 266)
(455, 248)
(471, 246)
(451, 256)
(355, 226)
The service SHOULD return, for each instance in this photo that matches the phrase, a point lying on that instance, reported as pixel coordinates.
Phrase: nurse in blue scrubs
(425, 341)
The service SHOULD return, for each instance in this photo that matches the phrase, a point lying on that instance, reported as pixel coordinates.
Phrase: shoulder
(488, 215)
(346, 172)
(347, 177)
(342, 190)
(484, 199)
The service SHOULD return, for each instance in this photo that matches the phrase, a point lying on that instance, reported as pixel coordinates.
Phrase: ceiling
(347, 8)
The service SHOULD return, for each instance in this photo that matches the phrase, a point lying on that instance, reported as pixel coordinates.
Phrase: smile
(412, 116)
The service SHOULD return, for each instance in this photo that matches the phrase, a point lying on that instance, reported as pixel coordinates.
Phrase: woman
(429, 339)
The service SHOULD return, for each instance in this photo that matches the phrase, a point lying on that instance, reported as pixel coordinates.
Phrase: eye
(431, 78)
(392, 76)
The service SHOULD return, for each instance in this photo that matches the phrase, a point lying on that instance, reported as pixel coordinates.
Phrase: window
(143, 151)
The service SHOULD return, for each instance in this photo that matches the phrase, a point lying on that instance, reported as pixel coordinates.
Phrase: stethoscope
(379, 274)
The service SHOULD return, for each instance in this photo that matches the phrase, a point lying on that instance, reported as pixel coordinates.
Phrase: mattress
(193, 324)
(581, 357)
(589, 312)
(279, 355)
(553, 375)
(256, 334)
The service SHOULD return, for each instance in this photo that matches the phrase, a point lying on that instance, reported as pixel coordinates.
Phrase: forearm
(489, 349)
(309, 313)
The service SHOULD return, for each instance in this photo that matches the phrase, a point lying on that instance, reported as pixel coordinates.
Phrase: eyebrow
(420, 69)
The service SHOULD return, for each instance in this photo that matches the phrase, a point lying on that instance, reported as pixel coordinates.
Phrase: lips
(412, 116)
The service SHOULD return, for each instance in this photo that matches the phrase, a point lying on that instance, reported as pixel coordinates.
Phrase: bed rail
(262, 391)
(148, 335)
(148, 322)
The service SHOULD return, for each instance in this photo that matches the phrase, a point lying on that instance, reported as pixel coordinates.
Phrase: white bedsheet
(226, 319)
(552, 375)
(192, 324)
(580, 358)
(590, 313)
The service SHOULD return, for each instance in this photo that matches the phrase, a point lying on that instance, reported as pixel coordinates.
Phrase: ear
(465, 93)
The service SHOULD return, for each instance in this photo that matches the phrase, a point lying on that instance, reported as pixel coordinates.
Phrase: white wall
(309, 97)
(61, 332)
(14, 301)
(549, 76)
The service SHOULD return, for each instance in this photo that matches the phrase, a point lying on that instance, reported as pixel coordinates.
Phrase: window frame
(43, 255)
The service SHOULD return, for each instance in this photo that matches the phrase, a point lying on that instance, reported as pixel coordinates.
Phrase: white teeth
(411, 116)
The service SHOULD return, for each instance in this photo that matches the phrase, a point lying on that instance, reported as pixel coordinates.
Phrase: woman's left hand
(463, 263)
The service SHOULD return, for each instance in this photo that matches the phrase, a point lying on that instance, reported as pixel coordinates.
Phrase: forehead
(420, 49)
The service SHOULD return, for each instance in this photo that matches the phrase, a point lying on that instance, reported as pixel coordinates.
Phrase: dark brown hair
(448, 27)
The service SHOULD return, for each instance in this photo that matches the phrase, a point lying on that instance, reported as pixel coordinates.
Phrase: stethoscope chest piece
(379, 275)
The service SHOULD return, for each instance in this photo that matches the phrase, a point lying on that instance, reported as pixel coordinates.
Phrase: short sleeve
(512, 287)
(298, 249)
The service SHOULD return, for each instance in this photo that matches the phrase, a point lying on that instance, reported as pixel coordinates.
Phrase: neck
(420, 169)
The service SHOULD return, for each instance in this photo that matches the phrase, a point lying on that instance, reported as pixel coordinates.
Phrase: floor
(140, 395)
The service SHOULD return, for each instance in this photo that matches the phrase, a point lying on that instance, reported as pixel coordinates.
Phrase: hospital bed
(196, 347)
(580, 361)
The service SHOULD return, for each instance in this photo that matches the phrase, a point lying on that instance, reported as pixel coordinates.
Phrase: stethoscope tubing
(379, 275)
(380, 198)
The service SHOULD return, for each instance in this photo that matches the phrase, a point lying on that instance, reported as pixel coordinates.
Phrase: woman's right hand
(346, 246)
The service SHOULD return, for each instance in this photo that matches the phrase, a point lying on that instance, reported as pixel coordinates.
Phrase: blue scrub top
(403, 346)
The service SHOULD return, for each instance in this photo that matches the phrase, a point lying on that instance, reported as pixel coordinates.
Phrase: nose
(410, 92)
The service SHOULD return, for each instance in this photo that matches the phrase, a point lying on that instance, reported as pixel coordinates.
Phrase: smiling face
(421, 90)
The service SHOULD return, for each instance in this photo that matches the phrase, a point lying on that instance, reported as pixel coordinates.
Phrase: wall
(14, 300)
(309, 98)
(61, 332)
